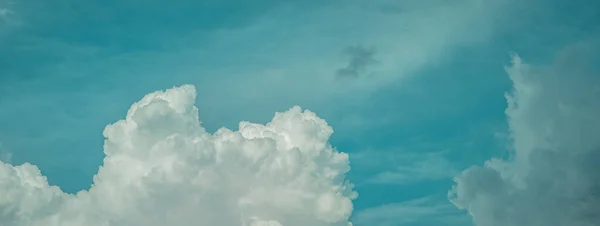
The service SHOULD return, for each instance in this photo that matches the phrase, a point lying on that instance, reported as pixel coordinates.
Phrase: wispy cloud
(398, 166)
(4, 9)
(431, 210)
(429, 167)
(280, 50)
(7, 18)
(4, 13)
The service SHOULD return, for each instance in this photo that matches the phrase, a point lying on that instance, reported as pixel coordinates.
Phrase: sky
(289, 113)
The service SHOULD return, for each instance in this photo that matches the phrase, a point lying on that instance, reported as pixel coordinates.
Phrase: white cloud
(163, 168)
(431, 210)
(552, 178)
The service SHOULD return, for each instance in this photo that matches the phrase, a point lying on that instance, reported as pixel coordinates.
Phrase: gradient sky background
(413, 89)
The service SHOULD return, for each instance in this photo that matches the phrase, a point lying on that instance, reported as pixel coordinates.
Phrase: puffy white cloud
(553, 176)
(163, 168)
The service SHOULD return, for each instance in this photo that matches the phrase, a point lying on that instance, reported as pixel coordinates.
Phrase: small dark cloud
(361, 58)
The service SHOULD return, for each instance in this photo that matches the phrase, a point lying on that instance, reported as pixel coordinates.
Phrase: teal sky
(429, 105)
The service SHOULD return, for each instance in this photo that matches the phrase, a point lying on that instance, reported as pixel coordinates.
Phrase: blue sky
(430, 105)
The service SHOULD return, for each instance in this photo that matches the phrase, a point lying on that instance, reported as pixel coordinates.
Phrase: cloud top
(163, 168)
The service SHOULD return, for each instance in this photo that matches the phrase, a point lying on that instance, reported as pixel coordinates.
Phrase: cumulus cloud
(361, 58)
(552, 178)
(163, 168)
